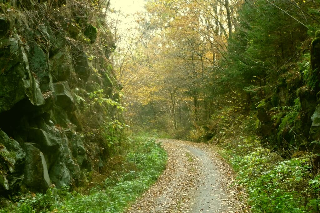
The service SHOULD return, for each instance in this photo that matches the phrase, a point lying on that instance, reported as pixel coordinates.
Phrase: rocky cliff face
(289, 114)
(58, 93)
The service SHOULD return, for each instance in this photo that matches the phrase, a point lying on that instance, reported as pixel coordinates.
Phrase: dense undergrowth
(126, 178)
(273, 184)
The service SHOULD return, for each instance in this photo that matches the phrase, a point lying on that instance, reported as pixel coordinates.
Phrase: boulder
(80, 63)
(4, 26)
(4, 184)
(36, 169)
(64, 171)
(91, 33)
(12, 72)
(54, 144)
(39, 67)
(61, 65)
(12, 159)
(58, 43)
(63, 95)
(20, 64)
(77, 147)
(30, 83)
(60, 117)
(73, 30)
(92, 86)
(45, 140)
(11, 153)
(24, 69)
(60, 174)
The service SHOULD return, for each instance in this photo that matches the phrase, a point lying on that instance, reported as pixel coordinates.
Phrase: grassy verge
(273, 184)
(140, 167)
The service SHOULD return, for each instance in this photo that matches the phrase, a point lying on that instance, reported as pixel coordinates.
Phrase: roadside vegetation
(273, 183)
(128, 175)
(243, 75)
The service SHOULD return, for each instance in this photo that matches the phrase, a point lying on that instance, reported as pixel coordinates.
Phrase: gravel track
(196, 179)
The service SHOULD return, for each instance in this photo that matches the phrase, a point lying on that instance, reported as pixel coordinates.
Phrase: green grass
(144, 162)
(273, 184)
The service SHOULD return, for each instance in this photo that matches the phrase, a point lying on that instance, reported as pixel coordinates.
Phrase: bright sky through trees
(125, 20)
(128, 7)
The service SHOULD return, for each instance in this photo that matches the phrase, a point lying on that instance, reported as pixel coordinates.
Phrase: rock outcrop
(290, 115)
(52, 62)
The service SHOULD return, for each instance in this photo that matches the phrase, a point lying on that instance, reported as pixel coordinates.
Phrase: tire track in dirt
(195, 180)
(210, 195)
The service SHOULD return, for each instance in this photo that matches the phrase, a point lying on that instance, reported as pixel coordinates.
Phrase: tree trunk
(173, 105)
(195, 103)
(227, 5)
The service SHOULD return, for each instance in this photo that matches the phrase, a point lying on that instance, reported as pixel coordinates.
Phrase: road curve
(195, 180)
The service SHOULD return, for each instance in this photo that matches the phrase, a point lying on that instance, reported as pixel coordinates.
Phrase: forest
(243, 75)
(81, 113)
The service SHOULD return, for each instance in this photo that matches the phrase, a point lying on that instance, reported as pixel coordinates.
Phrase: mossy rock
(36, 169)
(4, 26)
(38, 64)
(12, 160)
(108, 42)
(91, 33)
(315, 53)
(61, 65)
(63, 95)
(80, 63)
(59, 3)
(73, 30)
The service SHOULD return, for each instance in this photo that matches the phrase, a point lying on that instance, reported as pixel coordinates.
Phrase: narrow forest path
(196, 180)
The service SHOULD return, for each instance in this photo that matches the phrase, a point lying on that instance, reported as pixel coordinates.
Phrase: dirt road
(196, 180)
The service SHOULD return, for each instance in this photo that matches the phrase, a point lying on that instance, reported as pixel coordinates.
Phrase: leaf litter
(196, 179)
